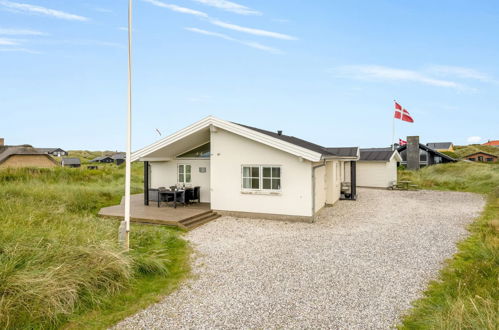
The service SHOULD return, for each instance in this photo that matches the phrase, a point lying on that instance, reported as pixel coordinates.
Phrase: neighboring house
(481, 156)
(420, 155)
(57, 152)
(441, 146)
(119, 158)
(492, 143)
(71, 162)
(377, 167)
(23, 156)
(247, 171)
(102, 159)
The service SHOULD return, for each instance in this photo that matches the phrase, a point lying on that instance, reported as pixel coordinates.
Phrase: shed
(71, 162)
(377, 167)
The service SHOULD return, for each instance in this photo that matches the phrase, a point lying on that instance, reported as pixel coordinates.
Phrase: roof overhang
(209, 122)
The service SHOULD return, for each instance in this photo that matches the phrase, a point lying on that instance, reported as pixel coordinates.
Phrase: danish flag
(402, 142)
(402, 114)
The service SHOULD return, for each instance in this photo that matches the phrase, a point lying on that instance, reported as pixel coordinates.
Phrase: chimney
(413, 152)
(2, 142)
(279, 133)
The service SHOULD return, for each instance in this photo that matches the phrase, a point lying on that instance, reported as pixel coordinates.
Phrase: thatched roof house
(24, 156)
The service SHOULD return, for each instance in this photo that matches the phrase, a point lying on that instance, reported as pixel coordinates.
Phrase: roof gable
(7, 151)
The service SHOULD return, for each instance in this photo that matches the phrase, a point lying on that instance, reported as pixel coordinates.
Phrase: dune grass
(61, 263)
(466, 295)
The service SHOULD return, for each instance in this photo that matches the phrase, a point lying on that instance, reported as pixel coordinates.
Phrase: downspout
(313, 187)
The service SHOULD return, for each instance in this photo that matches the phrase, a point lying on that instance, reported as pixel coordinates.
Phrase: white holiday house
(247, 171)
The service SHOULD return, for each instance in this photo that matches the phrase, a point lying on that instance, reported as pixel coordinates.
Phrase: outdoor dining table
(173, 193)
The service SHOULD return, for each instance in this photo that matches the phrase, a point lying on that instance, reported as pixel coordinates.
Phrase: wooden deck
(186, 217)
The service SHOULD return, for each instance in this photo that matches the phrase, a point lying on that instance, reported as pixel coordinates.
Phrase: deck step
(198, 220)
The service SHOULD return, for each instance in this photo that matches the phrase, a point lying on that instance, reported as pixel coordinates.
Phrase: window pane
(266, 172)
(181, 168)
(247, 183)
(276, 172)
(180, 177)
(255, 172)
(276, 184)
(188, 177)
(246, 171)
(266, 184)
(255, 183)
(188, 168)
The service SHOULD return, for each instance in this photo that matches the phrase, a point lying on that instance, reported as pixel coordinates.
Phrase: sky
(326, 71)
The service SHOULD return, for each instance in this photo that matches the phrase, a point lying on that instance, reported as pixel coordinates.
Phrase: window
(490, 159)
(472, 159)
(184, 173)
(480, 158)
(261, 177)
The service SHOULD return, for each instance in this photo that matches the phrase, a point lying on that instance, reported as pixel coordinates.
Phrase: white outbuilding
(377, 167)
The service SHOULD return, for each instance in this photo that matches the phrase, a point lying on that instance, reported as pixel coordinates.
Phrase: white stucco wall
(164, 174)
(231, 151)
(321, 185)
(376, 174)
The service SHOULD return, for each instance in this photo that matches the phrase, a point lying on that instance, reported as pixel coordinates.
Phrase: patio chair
(192, 194)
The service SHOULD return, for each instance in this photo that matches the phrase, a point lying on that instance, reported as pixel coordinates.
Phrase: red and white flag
(402, 114)
(402, 142)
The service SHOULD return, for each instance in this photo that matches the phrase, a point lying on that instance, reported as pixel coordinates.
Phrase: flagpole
(128, 166)
(393, 130)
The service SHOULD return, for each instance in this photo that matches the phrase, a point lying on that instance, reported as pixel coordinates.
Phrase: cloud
(21, 32)
(474, 139)
(460, 72)
(22, 50)
(16, 6)
(8, 42)
(230, 6)
(257, 32)
(376, 72)
(226, 37)
(177, 9)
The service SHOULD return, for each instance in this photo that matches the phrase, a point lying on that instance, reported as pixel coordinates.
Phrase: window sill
(261, 192)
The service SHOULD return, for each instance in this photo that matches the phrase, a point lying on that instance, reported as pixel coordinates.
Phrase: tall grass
(57, 258)
(466, 295)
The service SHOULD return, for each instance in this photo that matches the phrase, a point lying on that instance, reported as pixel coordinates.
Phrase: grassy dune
(466, 296)
(60, 263)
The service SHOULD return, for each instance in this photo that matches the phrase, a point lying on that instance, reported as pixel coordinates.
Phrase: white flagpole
(393, 130)
(128, 171)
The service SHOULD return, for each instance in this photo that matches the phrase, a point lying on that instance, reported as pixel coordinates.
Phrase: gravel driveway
(359, 266)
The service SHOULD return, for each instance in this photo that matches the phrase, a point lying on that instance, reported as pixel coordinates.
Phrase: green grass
(61, 265)
(466, 295)
(461, 151)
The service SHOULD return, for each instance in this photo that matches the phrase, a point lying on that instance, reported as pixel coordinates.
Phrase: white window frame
(185, 172)
(260, 178)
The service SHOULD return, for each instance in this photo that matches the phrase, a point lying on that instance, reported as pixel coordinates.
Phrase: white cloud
(460, 72)
(230, 6)
(474, 139)
(376, 72)
(8, 42)
(21, 32)
(41, 10)
(177, 9)
(21, 50)
(243, 42)
(257, 32)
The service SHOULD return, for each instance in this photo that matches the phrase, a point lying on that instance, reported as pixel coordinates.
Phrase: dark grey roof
(7, 151)
(98, 159)
(344, 151)
(118, 156)
(439, 145)
(347, 152)
(376, 154)
(422, 146)
(71, 161)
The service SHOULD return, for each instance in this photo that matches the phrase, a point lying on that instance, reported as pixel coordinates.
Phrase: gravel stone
(358, 266)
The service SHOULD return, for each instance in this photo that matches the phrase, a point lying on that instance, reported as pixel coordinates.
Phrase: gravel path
(359, 266)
